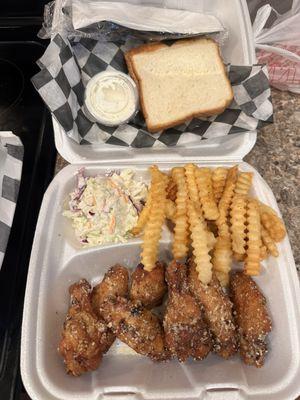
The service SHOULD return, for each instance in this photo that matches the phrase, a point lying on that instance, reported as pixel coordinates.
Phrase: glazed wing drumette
(148, 286)
(85, 338)
(186, 332)
(136, 326)
(114, 283)
(252, 318)
(217, 312)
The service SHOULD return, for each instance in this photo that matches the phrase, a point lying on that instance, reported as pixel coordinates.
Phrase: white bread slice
(178, 82)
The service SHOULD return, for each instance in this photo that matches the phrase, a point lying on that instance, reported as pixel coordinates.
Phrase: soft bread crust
(130, 67)
(138, 78)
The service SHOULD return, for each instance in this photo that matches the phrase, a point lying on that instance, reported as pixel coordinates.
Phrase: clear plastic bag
(279, 46)
(143, 17)
(120, 20)
(57, 19)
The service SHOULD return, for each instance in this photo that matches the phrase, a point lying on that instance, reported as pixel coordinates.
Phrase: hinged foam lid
(238, 50)
(231, 148)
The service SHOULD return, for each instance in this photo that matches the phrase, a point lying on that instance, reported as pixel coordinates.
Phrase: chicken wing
(252, 318)
(85, 338)
(217, 312)
(148, 286)
(114, 283)
(186, 332)
(136, 326)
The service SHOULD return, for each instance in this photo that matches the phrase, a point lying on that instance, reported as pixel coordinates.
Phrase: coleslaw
(105, 208)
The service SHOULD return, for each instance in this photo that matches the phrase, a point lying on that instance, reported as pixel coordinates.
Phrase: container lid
(229, 148)
(238, 50)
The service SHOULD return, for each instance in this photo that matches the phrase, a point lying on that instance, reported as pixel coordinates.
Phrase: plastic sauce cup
(111, 98)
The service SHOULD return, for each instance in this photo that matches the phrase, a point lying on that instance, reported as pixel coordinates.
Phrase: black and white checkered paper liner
(67, 66)
(11, 161)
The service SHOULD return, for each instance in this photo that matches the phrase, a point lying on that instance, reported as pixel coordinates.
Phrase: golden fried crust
(252, 318)
(85, 338)
(149, 287)
(217, 311)
(114, 283)
(186, 332)
(136, 326)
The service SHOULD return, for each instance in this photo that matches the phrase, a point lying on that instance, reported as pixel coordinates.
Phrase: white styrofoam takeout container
(57, 261)
(238, 50)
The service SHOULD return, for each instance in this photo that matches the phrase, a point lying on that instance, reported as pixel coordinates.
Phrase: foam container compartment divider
(57, 262)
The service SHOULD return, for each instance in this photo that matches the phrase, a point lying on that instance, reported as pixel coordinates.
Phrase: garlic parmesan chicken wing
(85, 338)
(217, 312)
(252, 318)
(149, 287)
(136, 326)
(186, 332)
(114, 283)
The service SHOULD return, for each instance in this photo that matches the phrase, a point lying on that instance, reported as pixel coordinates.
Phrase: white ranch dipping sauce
(111, 98)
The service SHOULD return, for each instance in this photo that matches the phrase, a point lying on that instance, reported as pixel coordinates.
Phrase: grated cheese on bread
(178, 82)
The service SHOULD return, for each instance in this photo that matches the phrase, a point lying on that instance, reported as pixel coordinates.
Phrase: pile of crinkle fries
(212, 211)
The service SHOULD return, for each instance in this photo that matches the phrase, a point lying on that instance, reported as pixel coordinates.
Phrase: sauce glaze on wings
(186, 332)
(252, 318)
(85, 338)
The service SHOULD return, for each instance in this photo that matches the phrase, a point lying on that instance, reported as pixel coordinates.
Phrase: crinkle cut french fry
(263, 253)
(190, 174)
(269, 243)
(211, 239)
(206, 195)
(273, 224)
(194, 197)
(170, 210)
(252, 262)
(144, 215)
(199, 243)
(243, 183)
(225, 202)
(238, 224)
(152, 231)
(191, 182)
(222, 257)
(219, 176)
(238, 257)
(267, 209)
(180, 242)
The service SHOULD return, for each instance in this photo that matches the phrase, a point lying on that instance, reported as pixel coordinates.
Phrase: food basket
(56, 263)
(238, 50)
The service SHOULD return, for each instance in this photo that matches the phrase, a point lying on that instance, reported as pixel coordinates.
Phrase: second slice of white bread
(179, 82)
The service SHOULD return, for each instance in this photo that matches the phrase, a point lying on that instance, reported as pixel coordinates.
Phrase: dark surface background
(22, 8)
(28, 118)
